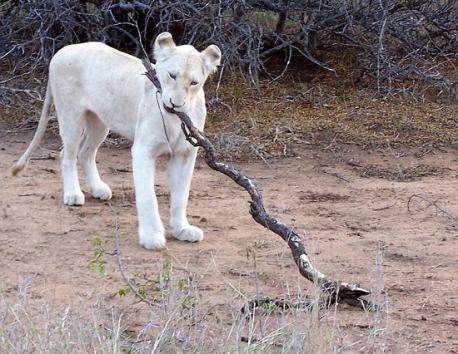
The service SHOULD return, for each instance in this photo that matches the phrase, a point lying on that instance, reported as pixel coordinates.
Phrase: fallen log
(335, 290)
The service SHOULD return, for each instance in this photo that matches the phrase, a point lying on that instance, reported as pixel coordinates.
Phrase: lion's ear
(212, 57)
(163, 46)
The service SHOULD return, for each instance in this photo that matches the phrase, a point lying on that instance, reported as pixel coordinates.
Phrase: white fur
(95, 89)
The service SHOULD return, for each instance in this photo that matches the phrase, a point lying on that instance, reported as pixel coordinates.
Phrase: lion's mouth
(168, 109)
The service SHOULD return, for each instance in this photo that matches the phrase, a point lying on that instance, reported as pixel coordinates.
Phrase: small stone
(423, 318)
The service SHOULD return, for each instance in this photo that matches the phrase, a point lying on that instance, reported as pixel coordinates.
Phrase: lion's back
(101, 79)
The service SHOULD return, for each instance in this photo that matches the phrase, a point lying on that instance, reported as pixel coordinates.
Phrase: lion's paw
(189, 233)
(153, 240)
(76, 198)
(102, 191)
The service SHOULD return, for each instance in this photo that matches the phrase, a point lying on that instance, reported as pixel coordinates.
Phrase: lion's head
(182, 70)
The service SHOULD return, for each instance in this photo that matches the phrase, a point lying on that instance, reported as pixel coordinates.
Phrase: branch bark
(336, 290)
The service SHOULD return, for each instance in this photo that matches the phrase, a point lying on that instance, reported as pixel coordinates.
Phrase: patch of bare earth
(348, 220)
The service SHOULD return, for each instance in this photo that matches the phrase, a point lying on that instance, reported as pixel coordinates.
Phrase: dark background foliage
(394, 41)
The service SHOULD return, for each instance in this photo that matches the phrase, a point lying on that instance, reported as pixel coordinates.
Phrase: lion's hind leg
(95, 134)
(71, 128)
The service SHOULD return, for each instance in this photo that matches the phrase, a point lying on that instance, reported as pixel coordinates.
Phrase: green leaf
(102, 268)
(123, 292)
(181, 284)
(91, 264)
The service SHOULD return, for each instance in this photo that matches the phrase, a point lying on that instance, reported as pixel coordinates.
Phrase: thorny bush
(395, 41)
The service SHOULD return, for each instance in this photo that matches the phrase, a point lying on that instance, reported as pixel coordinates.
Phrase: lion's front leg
(150, 229)
(180, 171)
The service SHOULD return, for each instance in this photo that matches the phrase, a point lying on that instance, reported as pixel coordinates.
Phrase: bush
(395, 40)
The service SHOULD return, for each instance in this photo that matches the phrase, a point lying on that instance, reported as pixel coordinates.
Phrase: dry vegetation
(317, 108)
(397, 46)
(180, 320)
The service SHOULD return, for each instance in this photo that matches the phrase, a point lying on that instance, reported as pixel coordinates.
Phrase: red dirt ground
(323, 194)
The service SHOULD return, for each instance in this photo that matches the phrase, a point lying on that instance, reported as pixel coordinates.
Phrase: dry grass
(181, 322)
(324, 111)
(30, 329)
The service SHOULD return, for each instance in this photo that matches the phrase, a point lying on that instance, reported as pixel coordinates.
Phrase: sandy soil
(346, 203)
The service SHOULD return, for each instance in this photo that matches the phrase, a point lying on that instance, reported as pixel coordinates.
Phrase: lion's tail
(43, 122)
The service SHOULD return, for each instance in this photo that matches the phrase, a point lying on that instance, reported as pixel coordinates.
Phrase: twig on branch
(336, 290)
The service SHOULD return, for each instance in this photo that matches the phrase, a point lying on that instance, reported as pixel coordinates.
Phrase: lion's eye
(194, 83)
(172, 76)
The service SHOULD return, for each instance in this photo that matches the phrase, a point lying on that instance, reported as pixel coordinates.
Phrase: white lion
(95, 89)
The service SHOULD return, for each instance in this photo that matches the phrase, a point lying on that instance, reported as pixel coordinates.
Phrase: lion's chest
(161, 131)
(175, 137)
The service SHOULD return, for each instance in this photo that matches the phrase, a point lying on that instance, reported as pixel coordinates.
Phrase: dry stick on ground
(336, 290)
(430, 203)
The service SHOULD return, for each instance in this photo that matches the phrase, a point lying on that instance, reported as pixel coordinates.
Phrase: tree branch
(336, 290)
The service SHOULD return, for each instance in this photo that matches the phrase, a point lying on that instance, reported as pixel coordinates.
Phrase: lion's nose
(174, 105)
